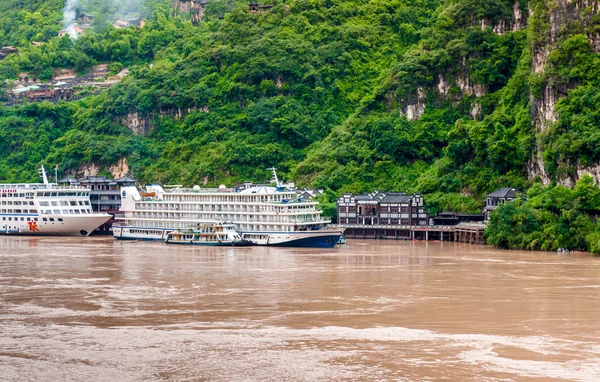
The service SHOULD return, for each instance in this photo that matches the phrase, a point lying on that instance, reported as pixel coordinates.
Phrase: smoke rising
(69, 15)
(104, 12)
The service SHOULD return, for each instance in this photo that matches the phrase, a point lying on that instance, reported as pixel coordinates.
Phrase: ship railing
(198, 190)
(426, 227)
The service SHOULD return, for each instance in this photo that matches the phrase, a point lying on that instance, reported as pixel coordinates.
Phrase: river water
(96, 309)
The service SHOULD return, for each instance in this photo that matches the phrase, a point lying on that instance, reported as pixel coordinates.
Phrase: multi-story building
(194, 8)
(498, 197)
(382, 208)
(105, 195)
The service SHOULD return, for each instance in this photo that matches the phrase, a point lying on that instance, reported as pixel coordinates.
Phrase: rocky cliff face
(557, 19)
(455, 82)
(142, 125)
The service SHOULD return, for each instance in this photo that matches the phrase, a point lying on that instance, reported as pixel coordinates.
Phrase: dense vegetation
(326, 90)
(550, 218)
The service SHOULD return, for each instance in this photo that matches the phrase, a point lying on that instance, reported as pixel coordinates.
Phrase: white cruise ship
(47, 209)
(264, 215)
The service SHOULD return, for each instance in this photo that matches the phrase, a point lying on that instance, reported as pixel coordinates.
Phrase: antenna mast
(275, 176)
(43, 175)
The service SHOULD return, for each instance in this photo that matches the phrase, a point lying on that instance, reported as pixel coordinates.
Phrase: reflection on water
(99, 309)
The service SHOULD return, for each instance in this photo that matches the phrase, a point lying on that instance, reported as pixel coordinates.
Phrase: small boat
(342, 240)
(213, 235)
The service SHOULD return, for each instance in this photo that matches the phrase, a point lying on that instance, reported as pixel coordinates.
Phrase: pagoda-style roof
(396, 198)
(95, 179)
(125, 179)
(504, 192)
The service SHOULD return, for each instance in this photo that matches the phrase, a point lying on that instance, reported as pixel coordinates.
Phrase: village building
(194, 8)
(136, 22)
(308, 193)
(7, 50)
(259, 8)
(27, 78)
(76, 28)
(47, 94)
(105, 195)
(382, 208)
(86, 18)
(497, 198)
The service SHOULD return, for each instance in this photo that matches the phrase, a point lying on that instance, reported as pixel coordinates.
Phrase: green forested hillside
(451, 98)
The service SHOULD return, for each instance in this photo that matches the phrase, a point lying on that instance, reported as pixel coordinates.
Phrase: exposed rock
(500, 28)
(100, 69)
(539, 58)
(536, 168)
(414, 111)
(443, 86)
(484, 23)
(594, 171)
(64, 74)
(90, 170)
(561, 14)
(475, 111)
(139, 125)
(142, 125)
(467, 192)
(120, 169)
(516, 23)
(542, 109)
(7, 50)
(468, 88)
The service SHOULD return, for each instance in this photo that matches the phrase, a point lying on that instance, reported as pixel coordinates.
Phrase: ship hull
(223, 244)
(326, 241)
(71, 225)
(140, 233)
(301, 239)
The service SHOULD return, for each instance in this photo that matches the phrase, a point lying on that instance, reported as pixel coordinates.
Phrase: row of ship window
(43, 194)
(248, 218)
(242, 227)
(243, 198)
(223, 208)
(65, 212)
(48, 212)
(17, 203)
(22, 218)
(64, 203)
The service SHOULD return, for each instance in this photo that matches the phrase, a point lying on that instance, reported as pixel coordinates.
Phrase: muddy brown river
(96, 309)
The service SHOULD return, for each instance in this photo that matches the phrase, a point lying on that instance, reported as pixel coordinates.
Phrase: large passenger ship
(271, 216)
(47, 209)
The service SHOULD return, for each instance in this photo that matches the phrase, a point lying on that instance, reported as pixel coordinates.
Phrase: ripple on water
(294, 354)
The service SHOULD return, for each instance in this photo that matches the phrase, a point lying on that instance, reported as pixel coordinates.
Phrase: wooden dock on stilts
(462, 233)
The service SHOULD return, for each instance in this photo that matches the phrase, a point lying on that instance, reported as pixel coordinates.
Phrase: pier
(462, 233)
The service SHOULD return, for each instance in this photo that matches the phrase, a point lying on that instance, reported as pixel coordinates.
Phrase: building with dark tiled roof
(382, 208)
(498, 197)
(259, 8)
(451, 218)
(105, 194)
